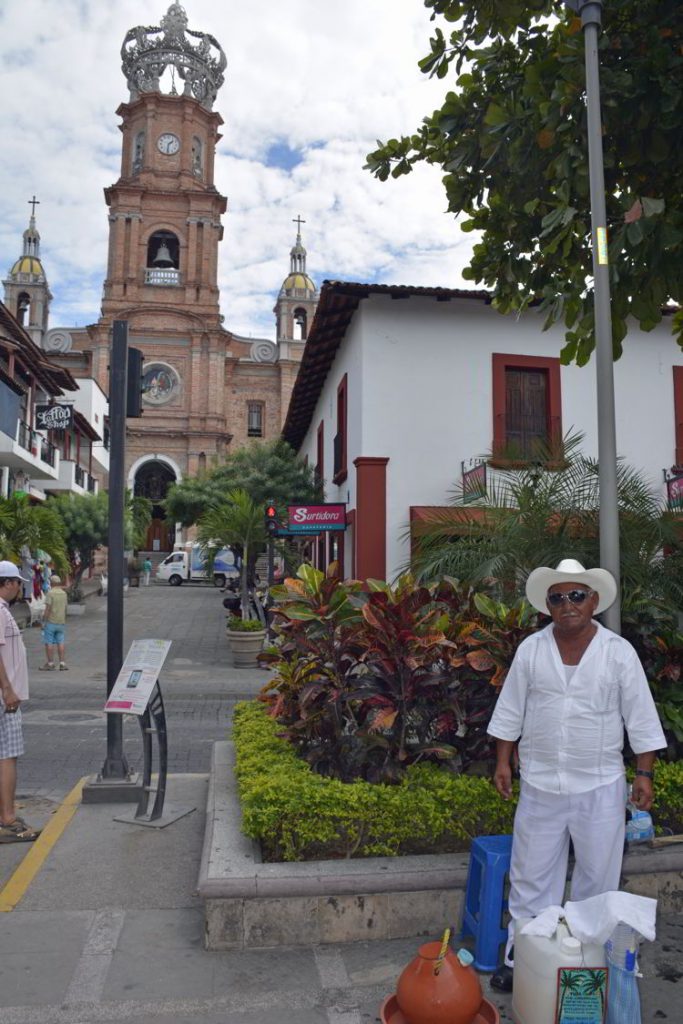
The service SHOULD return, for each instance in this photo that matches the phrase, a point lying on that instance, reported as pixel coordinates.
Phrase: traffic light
(134, 384)
(272, 524)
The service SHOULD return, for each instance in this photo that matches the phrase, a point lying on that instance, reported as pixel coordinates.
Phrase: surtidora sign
(316, 518)
(54, 417)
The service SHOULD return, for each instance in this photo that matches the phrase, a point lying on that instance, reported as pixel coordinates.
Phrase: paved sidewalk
(110, 929)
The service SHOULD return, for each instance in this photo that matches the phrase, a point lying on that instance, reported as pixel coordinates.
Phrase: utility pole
(115, 782)
(591, 21)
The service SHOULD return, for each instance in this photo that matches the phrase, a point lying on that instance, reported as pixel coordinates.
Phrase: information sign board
(136, 680)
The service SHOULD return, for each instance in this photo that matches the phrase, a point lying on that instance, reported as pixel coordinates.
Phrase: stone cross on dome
(148, 50)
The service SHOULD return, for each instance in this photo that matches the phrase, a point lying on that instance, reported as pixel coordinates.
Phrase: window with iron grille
(254, 419)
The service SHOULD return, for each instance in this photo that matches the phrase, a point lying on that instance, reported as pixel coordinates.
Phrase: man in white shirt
(571, 689)
(13, 690)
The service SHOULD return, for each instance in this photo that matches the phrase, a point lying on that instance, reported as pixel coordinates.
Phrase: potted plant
(246, 638)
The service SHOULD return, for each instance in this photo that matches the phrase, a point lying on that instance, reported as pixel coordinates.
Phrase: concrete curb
(248, 903)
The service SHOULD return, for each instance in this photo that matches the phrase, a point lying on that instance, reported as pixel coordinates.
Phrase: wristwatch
(644, 774)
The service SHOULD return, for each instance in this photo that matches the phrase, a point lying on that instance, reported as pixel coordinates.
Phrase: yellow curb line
(19, 882)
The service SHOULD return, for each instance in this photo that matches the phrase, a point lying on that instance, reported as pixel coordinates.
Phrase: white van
(189, 566)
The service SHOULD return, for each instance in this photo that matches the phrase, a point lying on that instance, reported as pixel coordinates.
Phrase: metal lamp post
(591, 21)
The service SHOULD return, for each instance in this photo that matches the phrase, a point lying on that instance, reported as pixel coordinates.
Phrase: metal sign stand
(153, 723)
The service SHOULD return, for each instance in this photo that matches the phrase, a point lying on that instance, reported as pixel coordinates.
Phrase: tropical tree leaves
(536, 516)
(267, 472)
(511, 139)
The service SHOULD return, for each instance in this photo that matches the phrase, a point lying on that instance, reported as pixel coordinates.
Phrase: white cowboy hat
(570, 571)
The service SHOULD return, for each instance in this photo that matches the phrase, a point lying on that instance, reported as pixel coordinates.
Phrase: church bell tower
(164, 211)
(27, 294)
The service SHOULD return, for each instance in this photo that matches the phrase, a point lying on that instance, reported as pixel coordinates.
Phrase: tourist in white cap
(571, 689)
(13, 690)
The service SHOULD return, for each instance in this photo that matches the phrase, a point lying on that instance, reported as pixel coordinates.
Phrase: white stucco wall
(349, 361)
(92, 403)
(420, 393)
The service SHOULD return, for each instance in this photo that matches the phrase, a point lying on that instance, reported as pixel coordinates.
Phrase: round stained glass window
(159, 383)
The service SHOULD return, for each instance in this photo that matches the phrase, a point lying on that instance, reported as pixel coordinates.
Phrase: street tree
(511, 140)
(84, 519)
(266, 472)
(234, 521)
(24, 526)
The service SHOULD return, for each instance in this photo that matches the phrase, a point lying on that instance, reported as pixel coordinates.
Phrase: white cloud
(324, 79)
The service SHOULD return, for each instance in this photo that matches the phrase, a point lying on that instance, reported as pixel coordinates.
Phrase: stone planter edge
(241, 894)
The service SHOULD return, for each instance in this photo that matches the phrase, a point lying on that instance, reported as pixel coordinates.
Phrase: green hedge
(299, 815)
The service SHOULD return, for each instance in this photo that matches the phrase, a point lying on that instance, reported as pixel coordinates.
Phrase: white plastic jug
(536, 979)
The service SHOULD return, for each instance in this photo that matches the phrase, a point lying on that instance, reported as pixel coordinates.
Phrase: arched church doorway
(152, 481)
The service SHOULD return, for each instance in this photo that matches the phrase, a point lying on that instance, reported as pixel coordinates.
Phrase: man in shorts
(13, 690)
(54, 627)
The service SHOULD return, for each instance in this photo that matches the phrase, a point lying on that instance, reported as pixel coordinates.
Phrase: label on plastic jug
(581, 995)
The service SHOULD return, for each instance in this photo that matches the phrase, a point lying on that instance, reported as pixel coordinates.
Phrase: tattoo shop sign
(54, 417)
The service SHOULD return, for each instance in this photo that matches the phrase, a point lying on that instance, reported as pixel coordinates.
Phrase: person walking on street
(571, 689)
(54, 627)
(147, 570)
(13, 690)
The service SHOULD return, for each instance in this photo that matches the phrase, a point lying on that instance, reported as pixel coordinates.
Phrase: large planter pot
(245, 647)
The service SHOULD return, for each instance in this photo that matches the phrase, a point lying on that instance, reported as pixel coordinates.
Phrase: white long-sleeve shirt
(571, 725)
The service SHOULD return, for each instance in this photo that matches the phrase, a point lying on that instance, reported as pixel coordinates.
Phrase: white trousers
(544, 823)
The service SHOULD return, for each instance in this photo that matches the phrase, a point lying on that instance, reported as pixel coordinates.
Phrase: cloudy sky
(310, 86)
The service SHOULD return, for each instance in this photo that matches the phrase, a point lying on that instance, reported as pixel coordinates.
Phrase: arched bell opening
(163, 259)
(300, 324)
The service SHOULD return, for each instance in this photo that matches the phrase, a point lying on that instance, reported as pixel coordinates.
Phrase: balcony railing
(80, 476)
(165, 276)
(24, 435)
(47, 451)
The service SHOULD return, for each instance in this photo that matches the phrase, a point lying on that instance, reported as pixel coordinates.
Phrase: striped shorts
(11, 736)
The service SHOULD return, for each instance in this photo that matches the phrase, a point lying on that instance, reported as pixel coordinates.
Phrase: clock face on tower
(168, 143)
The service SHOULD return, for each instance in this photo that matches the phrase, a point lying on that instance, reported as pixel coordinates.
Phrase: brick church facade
(207, 390)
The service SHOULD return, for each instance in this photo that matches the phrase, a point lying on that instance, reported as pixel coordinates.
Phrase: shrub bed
(297, 814)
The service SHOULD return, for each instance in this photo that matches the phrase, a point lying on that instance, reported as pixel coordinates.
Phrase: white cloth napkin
(593, 920)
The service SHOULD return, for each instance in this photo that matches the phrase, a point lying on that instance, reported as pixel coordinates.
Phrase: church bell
(163, 257)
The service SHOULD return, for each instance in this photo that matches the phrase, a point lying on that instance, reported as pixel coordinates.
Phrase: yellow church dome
(298, 282)
(28, 265)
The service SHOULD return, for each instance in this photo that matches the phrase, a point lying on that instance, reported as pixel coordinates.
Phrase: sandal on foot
(18, 832)
(63, 667)
(49, 666)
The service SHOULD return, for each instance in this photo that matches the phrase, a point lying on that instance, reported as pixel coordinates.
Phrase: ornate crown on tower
(148, 50)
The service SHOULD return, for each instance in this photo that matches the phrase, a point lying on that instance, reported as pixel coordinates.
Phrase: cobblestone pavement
(65, 726)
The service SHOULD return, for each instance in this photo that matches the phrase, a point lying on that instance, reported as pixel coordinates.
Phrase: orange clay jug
(436, 988)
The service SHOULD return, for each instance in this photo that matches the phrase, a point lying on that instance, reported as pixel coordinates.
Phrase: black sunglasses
(575, 596)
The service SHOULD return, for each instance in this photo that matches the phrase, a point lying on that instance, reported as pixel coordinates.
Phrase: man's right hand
(10, 699)
(502, 780)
